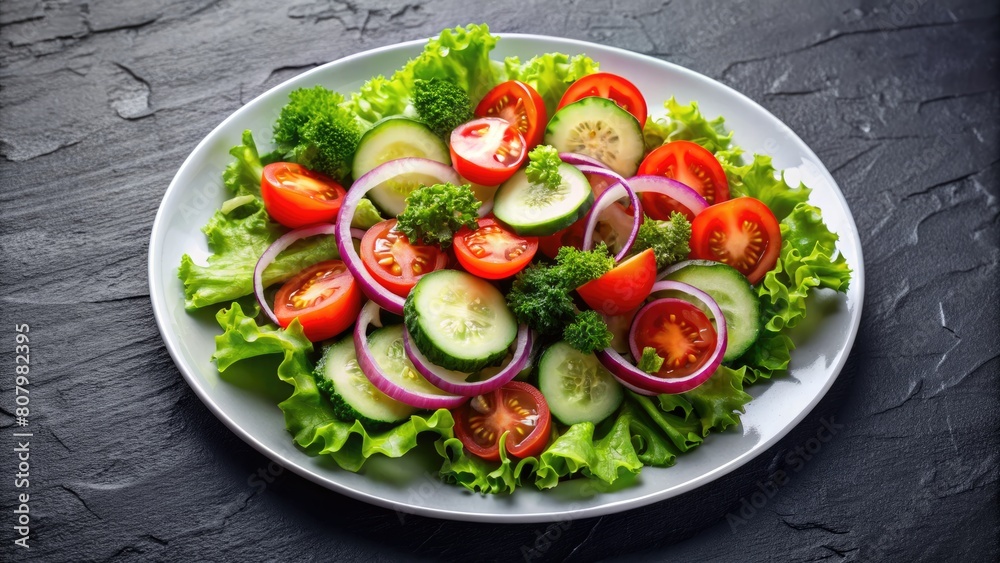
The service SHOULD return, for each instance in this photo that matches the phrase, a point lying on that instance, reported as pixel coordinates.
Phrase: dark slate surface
(101, 101)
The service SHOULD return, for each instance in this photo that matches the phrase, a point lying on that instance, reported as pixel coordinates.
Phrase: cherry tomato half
(493, 252)
(623, 288)
(324, 297)
(296, 196)
(388, 255)
(681, 333)
(520, 104)
(741, 232)
(610, 86)
(570, 236)
(516, 408)
(690, 164)
(487, 150)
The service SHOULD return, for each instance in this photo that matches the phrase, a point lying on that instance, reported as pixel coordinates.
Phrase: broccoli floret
(341, 409)
(588, 333)
(543, 167)
(541, 296)
(578, 267)
(441, 104)
(668, 239)
(434, 213)
(316, 132)
(539, 299)
(650, 362)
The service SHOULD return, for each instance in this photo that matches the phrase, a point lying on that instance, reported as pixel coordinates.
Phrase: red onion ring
(272, 252)
(378, 175)
(453, 381)
(618, 190)
(378, 378)
(576, 159)
(634, 378)
(673, 189)
(357, 233)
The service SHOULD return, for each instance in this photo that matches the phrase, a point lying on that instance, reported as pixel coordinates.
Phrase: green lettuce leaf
(237, 240)
(760, 180)
(719, 401)
(550, 74)
(242, 176)
(675, 417)
(479, 475)
(308, 415)
(686, 122)
(366, 215)
(460, 55)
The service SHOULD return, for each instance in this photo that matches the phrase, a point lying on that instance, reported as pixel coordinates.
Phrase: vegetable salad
(514, 258)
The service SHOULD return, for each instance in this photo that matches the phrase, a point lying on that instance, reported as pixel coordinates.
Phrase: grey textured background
(101, 101)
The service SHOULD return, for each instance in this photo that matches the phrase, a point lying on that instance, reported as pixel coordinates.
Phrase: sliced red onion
(455, 381)
(673, 189)
(485, 208)
(634, 378)
(272, 252)
(378, 378)
(377, 176)
(357, 233)
(617, 191)
(576, 159)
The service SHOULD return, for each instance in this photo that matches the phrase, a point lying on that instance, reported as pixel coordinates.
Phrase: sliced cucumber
(392, 138)
(389, 352)
(735, 296)
(576, 386)
(459, 321)
(536, 210)
(599, 128)
(340, 377)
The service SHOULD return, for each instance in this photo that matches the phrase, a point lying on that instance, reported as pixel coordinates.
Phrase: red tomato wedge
(493, 252)
(679, 331)
(610, 86)
(741, 232)
(520, 104)
(570, 236)
(295, 196)
(624, 287)
(516, 408)
(388, 255)
(487, 151)
(688, 163)
(324, 297)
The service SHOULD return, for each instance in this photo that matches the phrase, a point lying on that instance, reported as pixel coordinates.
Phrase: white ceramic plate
(409, 484)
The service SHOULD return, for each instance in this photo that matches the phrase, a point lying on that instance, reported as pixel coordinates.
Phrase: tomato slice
(516, 408)
(688, 163)
(570, 236)
(487, 150)
(623, 288)
(520, 104)
(741, 232)
(324, 297)
(493, 252)
(388, 255)
(610, 86)
(296, 196)
(681, 333)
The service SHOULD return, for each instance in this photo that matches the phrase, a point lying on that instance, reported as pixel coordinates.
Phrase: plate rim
(160, 314)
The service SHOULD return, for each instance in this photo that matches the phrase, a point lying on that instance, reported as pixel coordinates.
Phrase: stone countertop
(100, 102)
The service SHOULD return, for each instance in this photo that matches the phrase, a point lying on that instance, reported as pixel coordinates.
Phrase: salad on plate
(511, 264)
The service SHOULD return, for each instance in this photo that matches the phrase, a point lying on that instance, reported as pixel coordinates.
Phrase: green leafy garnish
(650, 362)
(668, 239)
(316, 132)
(550, 74)
(588, 332)
(435, 213)
(441, 104)
(543, 167)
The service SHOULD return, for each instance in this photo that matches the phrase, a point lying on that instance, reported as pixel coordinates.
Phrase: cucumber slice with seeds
(459, 321)
(534, 210)
(598, 128)
(576, 386)
(390, 139)
(341, 379)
